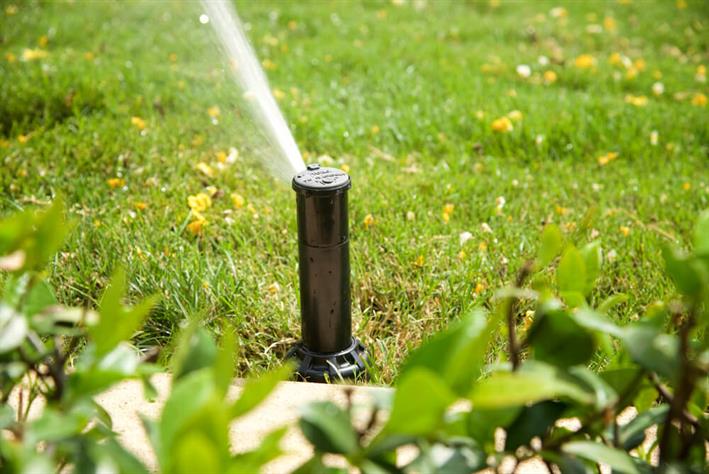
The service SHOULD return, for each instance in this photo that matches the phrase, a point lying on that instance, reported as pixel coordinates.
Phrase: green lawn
(405, 96)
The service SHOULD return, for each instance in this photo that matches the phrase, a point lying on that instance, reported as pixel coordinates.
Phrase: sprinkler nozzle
(327, 351)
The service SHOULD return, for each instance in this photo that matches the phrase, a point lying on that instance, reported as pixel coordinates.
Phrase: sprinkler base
(330, 367)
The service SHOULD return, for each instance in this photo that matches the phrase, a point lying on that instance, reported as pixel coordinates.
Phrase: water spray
(327, 352)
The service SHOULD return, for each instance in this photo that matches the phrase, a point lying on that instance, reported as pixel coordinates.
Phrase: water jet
(327, 351)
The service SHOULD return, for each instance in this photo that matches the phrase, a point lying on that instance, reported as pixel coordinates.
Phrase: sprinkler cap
(321, 180)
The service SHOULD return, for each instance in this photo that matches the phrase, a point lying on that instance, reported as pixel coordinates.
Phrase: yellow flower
(211, 191)
(23, 138)
(625, 230)
(140, 205)
(114, 183)
(607, 158)
(268, 64)
(197, 225)
(11, 58)
(273, 288)
(448, 208)
(615, 59)
(278, 94)
(686, 186)
(562, 211)
(375, 129)
(420, 261)
(609, 23)
(479, 287)
(482, 246)
(237, 200)
(345, 167)
(89, 56)
(368, 221)
(502, 125)
(205, 169)
(221, 157)
(461, 255)
(515, 115)
(138, 123)
(639, 64)
(549, 77)
(701, 74)
(699, 99)
(43, 41)
(200, 202)
(585, 61)
(558, 12)
(32, 54)
(214, 111)
(636, 100)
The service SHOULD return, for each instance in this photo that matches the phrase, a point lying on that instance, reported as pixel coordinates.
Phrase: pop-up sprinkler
(327, 351)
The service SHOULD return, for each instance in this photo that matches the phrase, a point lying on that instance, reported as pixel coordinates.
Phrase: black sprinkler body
(327, 352)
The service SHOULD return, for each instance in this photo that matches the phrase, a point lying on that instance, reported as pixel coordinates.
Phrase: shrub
(39, 362)
(658, 364)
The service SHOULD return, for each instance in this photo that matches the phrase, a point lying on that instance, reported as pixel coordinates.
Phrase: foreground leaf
(420, 402)
(509, 389)
(328, 428)
(618, 460)
(257, 389)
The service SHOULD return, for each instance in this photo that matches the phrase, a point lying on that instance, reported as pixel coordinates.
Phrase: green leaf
(683, 271)
(118, 365)
(49, 234)
(39, 297)
(558, 339)
(552, 243)
(117, 323)
(482, 423)
(420, 402)
(194, 453)
(604, 393)
(701, 234)
(54, 426)
(652, 349)
(458, 353)
(632, 434)
(611, 302)
(532, 421)
(571, 274)
(592, 258)
(268, 450)
(13, 329)
(456, 459)
(124, 460)
(188, 397)
(536, 383)
(224, 362)
(328, 428)
(257, 389)
(597, 322)
(195, 350)
(618, 460)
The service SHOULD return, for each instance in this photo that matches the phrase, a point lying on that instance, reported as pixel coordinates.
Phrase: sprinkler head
(327, 351)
